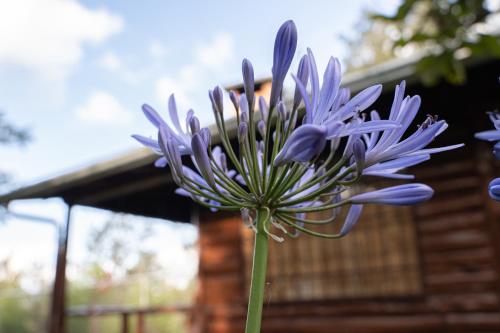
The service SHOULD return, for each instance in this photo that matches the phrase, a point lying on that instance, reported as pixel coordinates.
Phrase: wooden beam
(125, 322)
(57, 313)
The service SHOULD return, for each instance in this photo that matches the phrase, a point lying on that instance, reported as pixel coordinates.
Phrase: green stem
(259, 267)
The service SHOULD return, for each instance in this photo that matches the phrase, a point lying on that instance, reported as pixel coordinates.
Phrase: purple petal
(161, 162)
(329, 90)
(405, 118)
(495, 119)
(334, 129)
(304, 143)
(174, 117)
(390, 175)
(492, 135)
(496, 150)
(421, 138)
(305, 97)
(436, 150)
(351, 219)
(494, 189)
(313, 70)
(182, 192)
(153, 116)
(370, 126)
(148, 142)
(189, 115)
(360, 102)
(200, 154)
(407, 194)
(302, 76)
(399, 163)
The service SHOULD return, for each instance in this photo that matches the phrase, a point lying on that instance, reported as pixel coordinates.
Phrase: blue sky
(76, 73)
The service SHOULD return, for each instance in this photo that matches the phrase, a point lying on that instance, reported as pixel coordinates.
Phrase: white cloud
(110, 61)
(166, 86)
(103, 108)
(48, 36)
(217, 52)
(185, 83)
(157, 49)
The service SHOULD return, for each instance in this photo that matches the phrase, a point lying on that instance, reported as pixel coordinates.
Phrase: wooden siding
(458, 232)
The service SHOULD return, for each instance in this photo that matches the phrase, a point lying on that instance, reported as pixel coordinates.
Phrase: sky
(75, 73)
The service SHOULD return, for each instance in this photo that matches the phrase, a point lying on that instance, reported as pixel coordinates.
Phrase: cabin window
(378, 258)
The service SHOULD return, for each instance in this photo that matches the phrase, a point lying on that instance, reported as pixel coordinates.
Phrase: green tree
(121, 270)
(9, 135)
(445, 31)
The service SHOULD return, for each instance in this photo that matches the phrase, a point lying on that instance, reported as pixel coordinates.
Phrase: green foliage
(20, 311)
(109, 278)
(10, 134)
(446, 31)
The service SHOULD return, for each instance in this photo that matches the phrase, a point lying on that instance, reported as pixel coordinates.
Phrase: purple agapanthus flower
(182, 137)
(283, 166)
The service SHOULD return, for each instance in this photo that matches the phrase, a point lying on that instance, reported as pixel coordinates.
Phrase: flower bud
(284, 50)
(282, 113)
(263, 108)
(234, 99)
(194, 124)
(223, 161)
(200, 154)
(407, 194)
(219, 99)
(243, 132)
(205, 134)
(261, 126)
(248, 80)
(359, 151)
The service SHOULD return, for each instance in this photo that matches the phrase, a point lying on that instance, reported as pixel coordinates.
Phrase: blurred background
(73, 76)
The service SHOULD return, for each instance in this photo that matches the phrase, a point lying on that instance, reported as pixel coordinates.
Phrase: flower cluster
(297, 156)
(493, 135)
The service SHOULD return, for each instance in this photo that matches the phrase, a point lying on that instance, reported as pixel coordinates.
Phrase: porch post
(57, 313)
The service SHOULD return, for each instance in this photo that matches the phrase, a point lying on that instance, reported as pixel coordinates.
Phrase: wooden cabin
(434, 267)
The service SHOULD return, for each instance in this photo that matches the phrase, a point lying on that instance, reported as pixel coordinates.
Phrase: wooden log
(453, 204)
(460, 256)
(360, 324)
(455, 240)
(464, 302)
(451, 222)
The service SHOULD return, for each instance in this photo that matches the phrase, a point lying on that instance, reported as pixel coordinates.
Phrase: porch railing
(125, 312)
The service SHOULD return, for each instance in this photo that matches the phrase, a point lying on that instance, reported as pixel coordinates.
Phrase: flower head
(289, 166)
